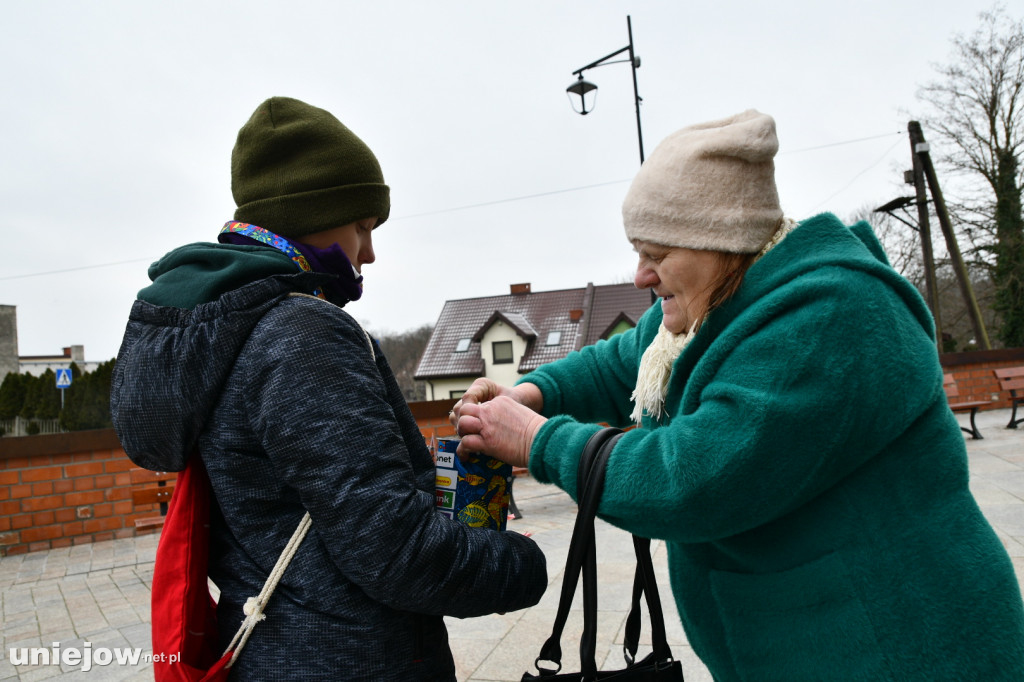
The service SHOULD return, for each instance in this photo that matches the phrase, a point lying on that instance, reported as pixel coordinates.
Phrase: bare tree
(902, 243)
(978, 115)
(403, 351)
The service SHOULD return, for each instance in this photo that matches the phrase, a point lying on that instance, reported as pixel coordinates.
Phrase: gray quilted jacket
(294, 408)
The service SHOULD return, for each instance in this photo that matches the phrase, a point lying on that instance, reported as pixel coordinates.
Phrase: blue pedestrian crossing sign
(63, 378)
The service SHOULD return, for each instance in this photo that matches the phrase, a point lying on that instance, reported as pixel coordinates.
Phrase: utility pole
(925, 230)
(923, 157)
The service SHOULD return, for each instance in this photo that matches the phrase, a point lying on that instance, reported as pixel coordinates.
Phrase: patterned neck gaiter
(348, 286)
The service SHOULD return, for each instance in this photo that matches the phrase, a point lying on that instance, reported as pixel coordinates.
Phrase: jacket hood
(822, 242)
(201, 272)
(175, 358)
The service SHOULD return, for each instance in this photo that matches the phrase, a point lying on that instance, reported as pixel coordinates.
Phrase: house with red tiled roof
(505, 337)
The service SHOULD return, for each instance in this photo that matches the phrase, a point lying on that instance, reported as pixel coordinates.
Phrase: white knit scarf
(656, 364)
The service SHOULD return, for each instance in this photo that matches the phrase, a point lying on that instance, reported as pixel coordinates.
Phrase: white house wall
(441, 389)
(504, 374)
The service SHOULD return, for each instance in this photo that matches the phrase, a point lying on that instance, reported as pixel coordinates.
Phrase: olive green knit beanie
(296, 170)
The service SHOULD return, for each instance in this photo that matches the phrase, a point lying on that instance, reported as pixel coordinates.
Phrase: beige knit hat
(709, 186)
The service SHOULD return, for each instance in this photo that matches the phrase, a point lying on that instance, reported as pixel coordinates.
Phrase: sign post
(63, 381)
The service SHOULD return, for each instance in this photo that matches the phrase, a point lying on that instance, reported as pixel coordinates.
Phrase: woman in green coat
(794, 450)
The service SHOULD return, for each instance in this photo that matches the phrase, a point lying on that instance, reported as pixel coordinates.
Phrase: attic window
(554, 338)
(502, 351)
(463, 345)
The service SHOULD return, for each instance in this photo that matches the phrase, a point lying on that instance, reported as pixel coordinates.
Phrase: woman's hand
(485, 390)
(501, 427)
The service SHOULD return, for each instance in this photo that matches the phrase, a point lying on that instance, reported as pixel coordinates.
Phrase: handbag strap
(646, 583)
(551, 650)
(582, 559)
(591, 483)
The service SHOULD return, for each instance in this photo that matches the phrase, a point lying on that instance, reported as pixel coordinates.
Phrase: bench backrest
(152, 487)
(152, 495)
(1010, 378)
(143, 476)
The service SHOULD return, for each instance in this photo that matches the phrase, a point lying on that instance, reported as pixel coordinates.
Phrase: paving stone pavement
(99, 593)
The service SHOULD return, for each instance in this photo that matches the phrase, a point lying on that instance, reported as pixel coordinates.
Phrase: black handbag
(656, 666)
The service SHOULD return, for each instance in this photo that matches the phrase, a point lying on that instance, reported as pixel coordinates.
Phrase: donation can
(475, 491)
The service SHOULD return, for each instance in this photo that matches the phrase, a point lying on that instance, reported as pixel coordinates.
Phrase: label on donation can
(474, 491)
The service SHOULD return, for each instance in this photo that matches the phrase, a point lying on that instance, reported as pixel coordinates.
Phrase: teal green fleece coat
(809, 479)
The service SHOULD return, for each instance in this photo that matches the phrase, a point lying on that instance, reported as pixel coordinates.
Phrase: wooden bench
(1012, 379)
(148, 488)
(952, 394)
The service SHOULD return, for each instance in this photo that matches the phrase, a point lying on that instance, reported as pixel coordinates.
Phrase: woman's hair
(731, 269)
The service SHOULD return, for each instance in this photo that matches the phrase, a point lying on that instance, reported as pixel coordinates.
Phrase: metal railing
(29, 427)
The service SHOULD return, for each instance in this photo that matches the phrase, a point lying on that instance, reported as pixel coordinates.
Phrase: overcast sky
(119, 117)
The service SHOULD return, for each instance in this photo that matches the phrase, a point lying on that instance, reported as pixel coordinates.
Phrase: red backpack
(184, 614)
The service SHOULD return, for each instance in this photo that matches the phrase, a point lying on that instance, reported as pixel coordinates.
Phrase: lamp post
(587, 91)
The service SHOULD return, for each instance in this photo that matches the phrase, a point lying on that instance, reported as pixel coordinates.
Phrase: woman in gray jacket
(241, 352)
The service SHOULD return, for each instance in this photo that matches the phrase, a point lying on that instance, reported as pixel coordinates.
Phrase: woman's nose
(645, 278)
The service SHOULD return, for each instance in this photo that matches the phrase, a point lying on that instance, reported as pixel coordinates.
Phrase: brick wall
(73, 488)
(974, 377)
(63, 489)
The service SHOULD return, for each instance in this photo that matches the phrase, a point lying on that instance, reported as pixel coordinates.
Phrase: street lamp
(895, 204)
(587, 91)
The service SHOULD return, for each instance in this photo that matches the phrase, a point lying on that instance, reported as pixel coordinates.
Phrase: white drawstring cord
(254, 606)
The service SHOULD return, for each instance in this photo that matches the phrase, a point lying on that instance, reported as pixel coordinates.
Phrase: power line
(502, 201)
(616, 182)
(511, 199)
(415, 215)
(854, 178)
(839, 144)
(73, 269)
